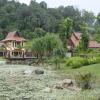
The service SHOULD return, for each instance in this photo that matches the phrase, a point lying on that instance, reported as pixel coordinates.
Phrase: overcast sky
(91, 5)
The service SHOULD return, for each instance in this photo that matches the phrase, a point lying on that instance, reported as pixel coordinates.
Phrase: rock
(47, 90)
(67, 82)
(64, 84)
(38, 71)
(28, 72)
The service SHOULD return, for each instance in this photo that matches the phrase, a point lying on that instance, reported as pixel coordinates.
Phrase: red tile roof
(13, 36)
(75, 41)
(94, 44)
(76, 38)
(78, 35)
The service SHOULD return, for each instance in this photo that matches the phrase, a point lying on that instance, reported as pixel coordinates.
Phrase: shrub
(76, 62)
(94, 60)
(85, 80)
(56, 61)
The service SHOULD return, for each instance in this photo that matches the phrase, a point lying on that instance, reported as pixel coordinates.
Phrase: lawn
(15, 85)
(91, 68)
(95, 69)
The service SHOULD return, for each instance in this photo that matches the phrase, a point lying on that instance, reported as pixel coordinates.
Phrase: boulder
(63, 84)
(67, 82)
(38, 71)
(28, 72)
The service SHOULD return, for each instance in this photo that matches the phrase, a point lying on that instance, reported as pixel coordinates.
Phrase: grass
(14, 85)
(95, 69)
(2, 59)
(91, 68)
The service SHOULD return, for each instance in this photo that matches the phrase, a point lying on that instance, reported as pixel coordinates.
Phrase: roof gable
(76, 38)
(13, 36)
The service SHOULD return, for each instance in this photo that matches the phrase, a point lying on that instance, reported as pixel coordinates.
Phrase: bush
(76, 62)
(85, 80)
(94, 60)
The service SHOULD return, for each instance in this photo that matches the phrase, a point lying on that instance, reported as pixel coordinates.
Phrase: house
(75, 40)
(12, 45)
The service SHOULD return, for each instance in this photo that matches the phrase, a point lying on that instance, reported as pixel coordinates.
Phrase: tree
(66, 28)
(39, 32)
(46, 45)
(88, 17)
(85, 37)
(53, 43)
(38, 46)
(27, 18)
(3, 2)
(43, 4)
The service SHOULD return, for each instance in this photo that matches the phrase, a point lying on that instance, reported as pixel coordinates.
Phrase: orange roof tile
(76, 38)
(13, 36)
(94, 44)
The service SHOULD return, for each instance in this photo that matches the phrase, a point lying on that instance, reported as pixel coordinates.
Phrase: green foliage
(97, 34)
(43, 4)
(52, 42)
(1, 36)
(75, 62)
(26, 18)
(88, 17)
(85, 80)
(39, 32)
(59, 52)
(93, 60)
(2, 48)
(66, 28)
(85, 37)
(56, 60)
(46, 45)
(38, 46)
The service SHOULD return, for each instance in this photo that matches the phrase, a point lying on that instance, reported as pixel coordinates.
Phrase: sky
(90, 5)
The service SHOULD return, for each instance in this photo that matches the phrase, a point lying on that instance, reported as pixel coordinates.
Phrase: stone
(28, 72)
(63, 84)
(38, 71)
(67, 82)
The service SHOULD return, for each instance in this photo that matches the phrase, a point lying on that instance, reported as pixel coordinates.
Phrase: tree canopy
(46, 45)
(27, 18)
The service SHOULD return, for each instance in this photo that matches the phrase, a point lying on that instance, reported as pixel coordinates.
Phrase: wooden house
(75, 40)
(13, 45)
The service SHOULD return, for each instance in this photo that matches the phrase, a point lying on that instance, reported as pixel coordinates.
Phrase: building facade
(13, 45)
